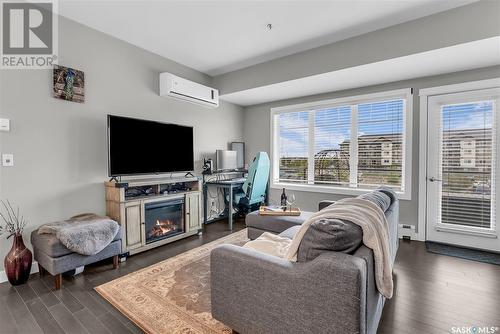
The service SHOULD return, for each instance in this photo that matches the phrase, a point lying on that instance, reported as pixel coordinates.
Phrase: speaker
(239, 147)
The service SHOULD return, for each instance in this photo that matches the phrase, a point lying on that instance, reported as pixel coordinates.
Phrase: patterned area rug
(172, 296)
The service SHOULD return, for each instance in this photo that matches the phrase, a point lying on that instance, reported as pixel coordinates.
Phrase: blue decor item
(254, 189)
(258, 175)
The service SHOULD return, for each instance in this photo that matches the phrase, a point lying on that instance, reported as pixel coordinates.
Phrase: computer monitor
(226, 160)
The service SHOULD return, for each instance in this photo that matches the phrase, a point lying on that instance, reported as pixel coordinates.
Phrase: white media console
(156, 211)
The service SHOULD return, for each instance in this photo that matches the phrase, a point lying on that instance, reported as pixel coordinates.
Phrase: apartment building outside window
(345, 146)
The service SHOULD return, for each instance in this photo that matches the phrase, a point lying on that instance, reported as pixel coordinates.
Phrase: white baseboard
(34, 269)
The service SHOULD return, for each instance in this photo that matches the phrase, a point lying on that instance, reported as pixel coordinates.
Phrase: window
(346, 145)
(380, 123)
(293, 146)
(331, 146)
(466, 192)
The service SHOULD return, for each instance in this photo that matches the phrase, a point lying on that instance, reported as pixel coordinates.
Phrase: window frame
(406, 184)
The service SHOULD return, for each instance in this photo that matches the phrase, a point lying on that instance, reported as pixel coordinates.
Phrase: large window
(345, 145)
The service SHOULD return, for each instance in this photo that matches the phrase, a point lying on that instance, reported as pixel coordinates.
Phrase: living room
(249, 166)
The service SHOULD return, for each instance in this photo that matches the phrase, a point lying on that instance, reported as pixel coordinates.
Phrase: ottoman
(55, 258)
(257, 224)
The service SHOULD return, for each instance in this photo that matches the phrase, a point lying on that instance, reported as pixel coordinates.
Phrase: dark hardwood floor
(433, 293)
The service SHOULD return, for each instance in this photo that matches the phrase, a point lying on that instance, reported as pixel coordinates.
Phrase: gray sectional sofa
(335, 292)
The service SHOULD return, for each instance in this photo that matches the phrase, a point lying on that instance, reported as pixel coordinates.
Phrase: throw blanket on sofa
(271, 244)
(86, 234)
(359, 211)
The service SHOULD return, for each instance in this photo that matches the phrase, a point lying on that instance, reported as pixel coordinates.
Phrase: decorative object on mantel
(68, 84)
(17, 263)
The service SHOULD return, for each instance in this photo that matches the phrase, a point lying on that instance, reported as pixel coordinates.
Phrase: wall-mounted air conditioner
(179, 88)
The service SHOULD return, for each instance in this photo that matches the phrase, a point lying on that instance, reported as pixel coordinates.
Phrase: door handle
(433, 179)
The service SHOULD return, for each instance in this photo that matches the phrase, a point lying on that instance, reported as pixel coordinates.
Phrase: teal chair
(253, 191)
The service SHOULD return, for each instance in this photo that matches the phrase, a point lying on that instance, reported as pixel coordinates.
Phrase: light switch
(8, 160)
(4, 124)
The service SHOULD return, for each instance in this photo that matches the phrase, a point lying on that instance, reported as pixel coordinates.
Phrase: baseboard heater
(406, 231)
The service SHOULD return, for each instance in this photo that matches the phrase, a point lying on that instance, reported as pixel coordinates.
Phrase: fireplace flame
(161, 228)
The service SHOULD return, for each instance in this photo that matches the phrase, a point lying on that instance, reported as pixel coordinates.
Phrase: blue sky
(468, 116)
(332, 126)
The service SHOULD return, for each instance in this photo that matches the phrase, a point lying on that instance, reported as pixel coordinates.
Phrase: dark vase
(18, 262)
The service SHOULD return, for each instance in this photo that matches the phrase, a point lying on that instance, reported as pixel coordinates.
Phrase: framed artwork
(68, 84)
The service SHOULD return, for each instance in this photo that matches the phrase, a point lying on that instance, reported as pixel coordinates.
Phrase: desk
(226, 184)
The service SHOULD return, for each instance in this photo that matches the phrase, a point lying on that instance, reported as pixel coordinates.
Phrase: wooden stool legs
(57, 278)
(58, 281)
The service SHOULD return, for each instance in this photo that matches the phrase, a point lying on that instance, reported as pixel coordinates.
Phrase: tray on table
(266, 211)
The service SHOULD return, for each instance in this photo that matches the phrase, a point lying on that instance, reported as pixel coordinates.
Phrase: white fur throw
(86, 234)
(271, 244)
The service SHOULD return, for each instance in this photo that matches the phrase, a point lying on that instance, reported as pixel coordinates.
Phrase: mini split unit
(179, 88)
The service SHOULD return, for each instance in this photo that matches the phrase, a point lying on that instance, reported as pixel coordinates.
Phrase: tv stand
(128, 201)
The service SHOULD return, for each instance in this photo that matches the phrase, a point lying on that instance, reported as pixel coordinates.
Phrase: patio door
(462, 169)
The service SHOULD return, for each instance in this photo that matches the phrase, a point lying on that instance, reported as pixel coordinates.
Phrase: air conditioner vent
(186, 90)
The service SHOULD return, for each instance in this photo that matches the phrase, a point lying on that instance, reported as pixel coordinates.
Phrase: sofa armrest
(323, 204)
(253, 292)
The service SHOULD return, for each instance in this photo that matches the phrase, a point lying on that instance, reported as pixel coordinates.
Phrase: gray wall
(431, 32)
(257, 130)
(59, 147)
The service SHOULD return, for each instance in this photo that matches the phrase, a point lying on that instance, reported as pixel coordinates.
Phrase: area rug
(172, 296)
(463, 253)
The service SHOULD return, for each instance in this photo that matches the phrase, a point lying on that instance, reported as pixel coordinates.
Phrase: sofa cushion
(329, 235)
(50, 245)
(380, 198)
(389, 192)
(290, 232)
(276, 224)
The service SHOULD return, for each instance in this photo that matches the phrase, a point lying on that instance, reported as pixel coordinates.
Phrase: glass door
(463, 163)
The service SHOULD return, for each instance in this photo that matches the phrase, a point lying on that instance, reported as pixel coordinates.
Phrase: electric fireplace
(164, 219)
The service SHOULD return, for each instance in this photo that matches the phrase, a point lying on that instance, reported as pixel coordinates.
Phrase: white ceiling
(215, 37)
(461, 57)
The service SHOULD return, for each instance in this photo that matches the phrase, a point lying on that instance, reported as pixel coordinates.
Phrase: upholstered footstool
(257, 224)
(55, 258)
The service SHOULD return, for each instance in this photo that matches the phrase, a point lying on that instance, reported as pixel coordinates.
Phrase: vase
(18, 262)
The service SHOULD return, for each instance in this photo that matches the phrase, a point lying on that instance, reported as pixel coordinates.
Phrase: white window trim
(424, 95)
(405, 94)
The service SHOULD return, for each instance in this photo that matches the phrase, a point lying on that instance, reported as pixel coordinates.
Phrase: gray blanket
(85, 234)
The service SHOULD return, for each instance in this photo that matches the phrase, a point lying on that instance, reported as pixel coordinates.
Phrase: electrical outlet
(7, 160)
(4, 124)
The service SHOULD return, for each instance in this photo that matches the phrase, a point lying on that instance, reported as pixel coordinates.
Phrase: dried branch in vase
(13, 222)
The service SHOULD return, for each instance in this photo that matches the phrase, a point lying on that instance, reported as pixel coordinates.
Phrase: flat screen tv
(137, 146)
